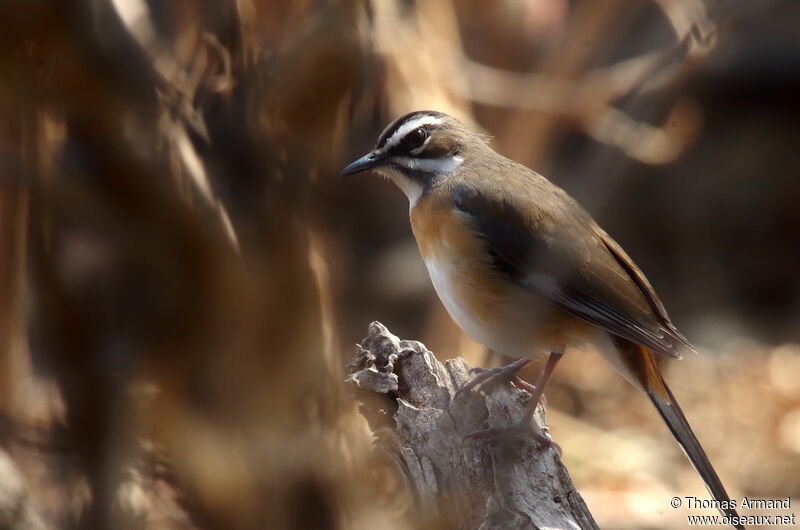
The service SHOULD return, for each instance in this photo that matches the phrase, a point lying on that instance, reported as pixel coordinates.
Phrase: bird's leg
(503, 373)
(525, 426)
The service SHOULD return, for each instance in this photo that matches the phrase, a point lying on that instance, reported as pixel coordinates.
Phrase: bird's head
(418, 150)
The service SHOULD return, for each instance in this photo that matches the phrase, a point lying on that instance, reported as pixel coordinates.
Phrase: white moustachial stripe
(437, 166)
(413, 189)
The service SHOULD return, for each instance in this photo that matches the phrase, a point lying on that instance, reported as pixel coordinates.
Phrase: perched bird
(523, 269)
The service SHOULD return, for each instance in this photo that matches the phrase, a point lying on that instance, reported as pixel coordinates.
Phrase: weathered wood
(407, 397)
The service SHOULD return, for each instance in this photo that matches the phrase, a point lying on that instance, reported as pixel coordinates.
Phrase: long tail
(671, 412)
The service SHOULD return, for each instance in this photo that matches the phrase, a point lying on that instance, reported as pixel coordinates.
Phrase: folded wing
(558, 251)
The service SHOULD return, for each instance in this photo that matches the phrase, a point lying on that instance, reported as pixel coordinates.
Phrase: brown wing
(555, 248)
(641, 281)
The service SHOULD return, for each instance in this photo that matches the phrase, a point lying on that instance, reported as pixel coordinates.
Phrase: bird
(524, 270)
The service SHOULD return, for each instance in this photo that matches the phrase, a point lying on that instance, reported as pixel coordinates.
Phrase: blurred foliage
(182, 270)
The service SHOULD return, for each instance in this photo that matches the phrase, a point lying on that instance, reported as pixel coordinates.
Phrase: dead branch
(407, 397)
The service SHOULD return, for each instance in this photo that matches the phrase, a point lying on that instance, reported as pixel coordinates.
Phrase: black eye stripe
(415, 138)
(410, 141)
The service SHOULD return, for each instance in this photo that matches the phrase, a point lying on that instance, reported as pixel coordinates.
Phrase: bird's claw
(520, 429)
(497, 375)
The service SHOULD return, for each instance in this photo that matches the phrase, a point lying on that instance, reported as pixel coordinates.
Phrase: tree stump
(406, 394)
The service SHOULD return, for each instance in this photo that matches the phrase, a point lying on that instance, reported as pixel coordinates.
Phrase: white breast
(442, 277)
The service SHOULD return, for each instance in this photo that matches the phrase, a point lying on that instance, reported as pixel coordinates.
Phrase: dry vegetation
(182, 272)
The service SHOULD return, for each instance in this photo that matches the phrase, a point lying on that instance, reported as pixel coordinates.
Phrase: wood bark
(407, 396)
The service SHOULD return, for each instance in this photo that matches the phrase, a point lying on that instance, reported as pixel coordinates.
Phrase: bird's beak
(368, 161)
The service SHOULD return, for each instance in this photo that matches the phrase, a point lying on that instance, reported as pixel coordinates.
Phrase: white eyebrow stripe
(407, 127)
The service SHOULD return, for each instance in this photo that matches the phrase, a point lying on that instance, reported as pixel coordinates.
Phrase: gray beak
(368, 161)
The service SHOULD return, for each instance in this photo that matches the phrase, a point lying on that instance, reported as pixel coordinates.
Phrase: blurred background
(183, 273)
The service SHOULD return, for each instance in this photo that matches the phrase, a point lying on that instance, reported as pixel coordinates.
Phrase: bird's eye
(418, 137)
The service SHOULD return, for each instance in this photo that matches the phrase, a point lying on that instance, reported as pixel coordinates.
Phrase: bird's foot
(508, 373)
(525, 427)
(519, 430)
